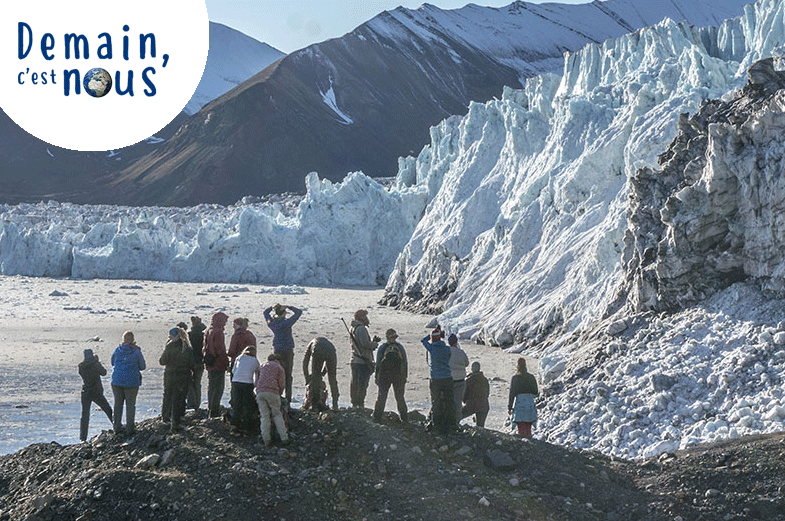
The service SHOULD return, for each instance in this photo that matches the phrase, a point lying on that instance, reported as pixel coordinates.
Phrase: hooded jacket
(177, 357)
(91, 372)
(196, 336)
(362, 345)
(241, 339)
(475, 397)
(128, 363)
(215, 344)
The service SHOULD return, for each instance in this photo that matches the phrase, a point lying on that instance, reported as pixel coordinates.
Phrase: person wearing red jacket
(216, 362)
(241, 338)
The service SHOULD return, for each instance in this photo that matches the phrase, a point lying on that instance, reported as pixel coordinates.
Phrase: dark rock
(499, 460)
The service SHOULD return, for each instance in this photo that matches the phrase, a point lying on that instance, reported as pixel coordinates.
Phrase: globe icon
(97, 82)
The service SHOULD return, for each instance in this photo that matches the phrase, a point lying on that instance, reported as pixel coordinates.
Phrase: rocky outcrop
(712, 215)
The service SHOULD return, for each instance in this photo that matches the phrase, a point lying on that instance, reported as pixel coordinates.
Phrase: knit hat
(452, 339)
(360, 315)
(475, 367)
(436, 335)
(88, 354)
(174, 332)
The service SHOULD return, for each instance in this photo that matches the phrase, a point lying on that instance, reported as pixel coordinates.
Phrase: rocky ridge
(344, 466)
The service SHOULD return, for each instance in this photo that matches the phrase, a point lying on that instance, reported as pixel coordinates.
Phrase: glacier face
(525, 232)
(341, 234)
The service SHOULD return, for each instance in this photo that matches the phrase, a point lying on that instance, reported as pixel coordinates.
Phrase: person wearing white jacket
(458, 364)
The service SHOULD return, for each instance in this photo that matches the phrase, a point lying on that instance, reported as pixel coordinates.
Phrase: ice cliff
(342, 234)
(525, 233)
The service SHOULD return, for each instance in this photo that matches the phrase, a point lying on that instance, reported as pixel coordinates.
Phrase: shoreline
(49, 322)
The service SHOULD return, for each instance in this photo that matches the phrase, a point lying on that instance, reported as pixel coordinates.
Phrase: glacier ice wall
(525, 231)
(341, 234)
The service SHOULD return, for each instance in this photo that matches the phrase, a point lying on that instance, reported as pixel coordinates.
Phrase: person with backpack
(178, 360)
(475, 397)
(363, 347)
(392, 368)
(458, 364)
(442, 408)
(216, 362)
(196, 336)
(322, 357)
(91, 371)
(270, 384)
(283, 341)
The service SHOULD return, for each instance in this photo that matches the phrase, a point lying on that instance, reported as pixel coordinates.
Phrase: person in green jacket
(178, 358)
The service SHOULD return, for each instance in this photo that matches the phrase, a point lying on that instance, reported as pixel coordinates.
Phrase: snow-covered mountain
(233, 58)
(360, 101)
(34, 170)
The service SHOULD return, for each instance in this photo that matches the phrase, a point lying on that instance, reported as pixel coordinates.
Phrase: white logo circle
(91, 76)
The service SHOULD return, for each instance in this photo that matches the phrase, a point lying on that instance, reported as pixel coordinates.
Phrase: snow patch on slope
(329, 100)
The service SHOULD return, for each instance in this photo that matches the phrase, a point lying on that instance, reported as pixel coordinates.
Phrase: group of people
(261, 392)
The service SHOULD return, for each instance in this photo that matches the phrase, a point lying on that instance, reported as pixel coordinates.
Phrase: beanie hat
(475, 367)
(88, 354)
(360, 315)
(175, 331)
(436, 335)
(452, 339)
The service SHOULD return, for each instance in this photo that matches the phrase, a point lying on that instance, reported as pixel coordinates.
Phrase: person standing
(442, 408)
(392, 368)
(196, 336)
(178, 360)
(323, 358)
(520, 405)
(458, 364)
(241, 338)
(216, 362)
(270, 384)
(362, 363)
(128, 364)
(242, 400)
(475, 397)
(283, 341)
(91, 371)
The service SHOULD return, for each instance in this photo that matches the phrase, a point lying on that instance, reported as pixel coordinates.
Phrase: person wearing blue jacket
(283, 341)
(128, 362)
(442, 407)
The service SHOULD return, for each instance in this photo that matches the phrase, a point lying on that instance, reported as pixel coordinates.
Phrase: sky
(289, 25)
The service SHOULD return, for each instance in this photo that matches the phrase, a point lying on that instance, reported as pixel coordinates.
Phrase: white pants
(270, 403)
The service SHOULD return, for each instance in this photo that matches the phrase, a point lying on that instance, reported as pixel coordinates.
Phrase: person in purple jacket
(283, 341)
(128, 363)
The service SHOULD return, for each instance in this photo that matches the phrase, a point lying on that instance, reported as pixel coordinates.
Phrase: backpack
(392, 360)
